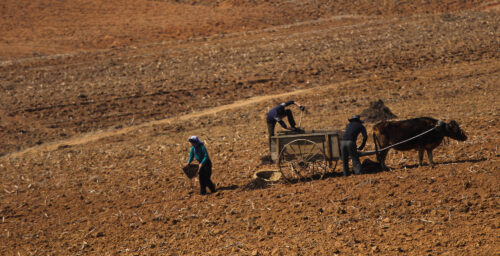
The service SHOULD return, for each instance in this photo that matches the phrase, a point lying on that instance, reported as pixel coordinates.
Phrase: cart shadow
(368, 166)
(315, 177)
(371, 167)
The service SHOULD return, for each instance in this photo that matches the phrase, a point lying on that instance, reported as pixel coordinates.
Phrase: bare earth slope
(98, 98)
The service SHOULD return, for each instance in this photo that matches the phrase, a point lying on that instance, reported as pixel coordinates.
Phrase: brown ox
(391, 132)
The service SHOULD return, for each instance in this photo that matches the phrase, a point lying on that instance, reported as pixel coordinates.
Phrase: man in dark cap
(348, 144)
(276, 115)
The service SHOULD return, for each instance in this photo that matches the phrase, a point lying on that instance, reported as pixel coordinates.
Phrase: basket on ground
(268, 175)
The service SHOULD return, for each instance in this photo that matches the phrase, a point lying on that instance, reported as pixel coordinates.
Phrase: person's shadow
(371, 167)
(231, 187)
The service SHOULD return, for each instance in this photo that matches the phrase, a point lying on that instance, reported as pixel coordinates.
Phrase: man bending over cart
(276, 115)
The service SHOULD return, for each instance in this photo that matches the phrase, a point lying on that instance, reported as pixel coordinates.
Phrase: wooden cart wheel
(302, 159)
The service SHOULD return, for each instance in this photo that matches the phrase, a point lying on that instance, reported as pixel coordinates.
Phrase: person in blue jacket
(276, 115)
(199, 152)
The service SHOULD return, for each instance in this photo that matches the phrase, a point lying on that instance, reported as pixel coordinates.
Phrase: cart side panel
(278, 142)
(335, 146)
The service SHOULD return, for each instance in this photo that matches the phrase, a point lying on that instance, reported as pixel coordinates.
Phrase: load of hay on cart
(306, 154)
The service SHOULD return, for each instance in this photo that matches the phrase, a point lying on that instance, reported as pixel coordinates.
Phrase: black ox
(391, 132)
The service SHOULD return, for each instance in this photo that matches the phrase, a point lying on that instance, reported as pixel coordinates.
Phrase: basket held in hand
(190, 170)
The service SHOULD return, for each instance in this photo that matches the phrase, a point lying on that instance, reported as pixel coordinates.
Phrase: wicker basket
(190, 170)
(268, 175)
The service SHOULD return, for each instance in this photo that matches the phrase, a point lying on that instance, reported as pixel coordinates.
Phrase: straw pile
(377, 112)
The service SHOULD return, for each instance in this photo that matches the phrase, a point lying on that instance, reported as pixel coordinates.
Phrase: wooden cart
(306, 154)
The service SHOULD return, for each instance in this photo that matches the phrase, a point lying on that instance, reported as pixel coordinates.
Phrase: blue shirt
(199, 152)
(274, 115)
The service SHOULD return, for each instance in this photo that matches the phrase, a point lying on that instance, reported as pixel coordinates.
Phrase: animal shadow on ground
(447, 162)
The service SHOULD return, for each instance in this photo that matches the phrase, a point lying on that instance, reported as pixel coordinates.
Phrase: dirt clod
(377, 112)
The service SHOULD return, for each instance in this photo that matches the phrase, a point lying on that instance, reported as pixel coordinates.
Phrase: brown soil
(98, 98)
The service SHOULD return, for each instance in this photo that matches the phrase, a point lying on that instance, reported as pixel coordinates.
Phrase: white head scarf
(195, 139)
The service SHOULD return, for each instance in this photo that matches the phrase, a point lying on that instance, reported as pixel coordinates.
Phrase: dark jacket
(352, 130)
(200, 153)
(275, 114)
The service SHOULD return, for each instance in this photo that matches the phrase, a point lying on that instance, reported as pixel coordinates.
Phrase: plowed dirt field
(98, 98)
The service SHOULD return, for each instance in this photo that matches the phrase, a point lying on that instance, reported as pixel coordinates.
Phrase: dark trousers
(289, 116)
(204, 175)
(270, 131)
(348, 149)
